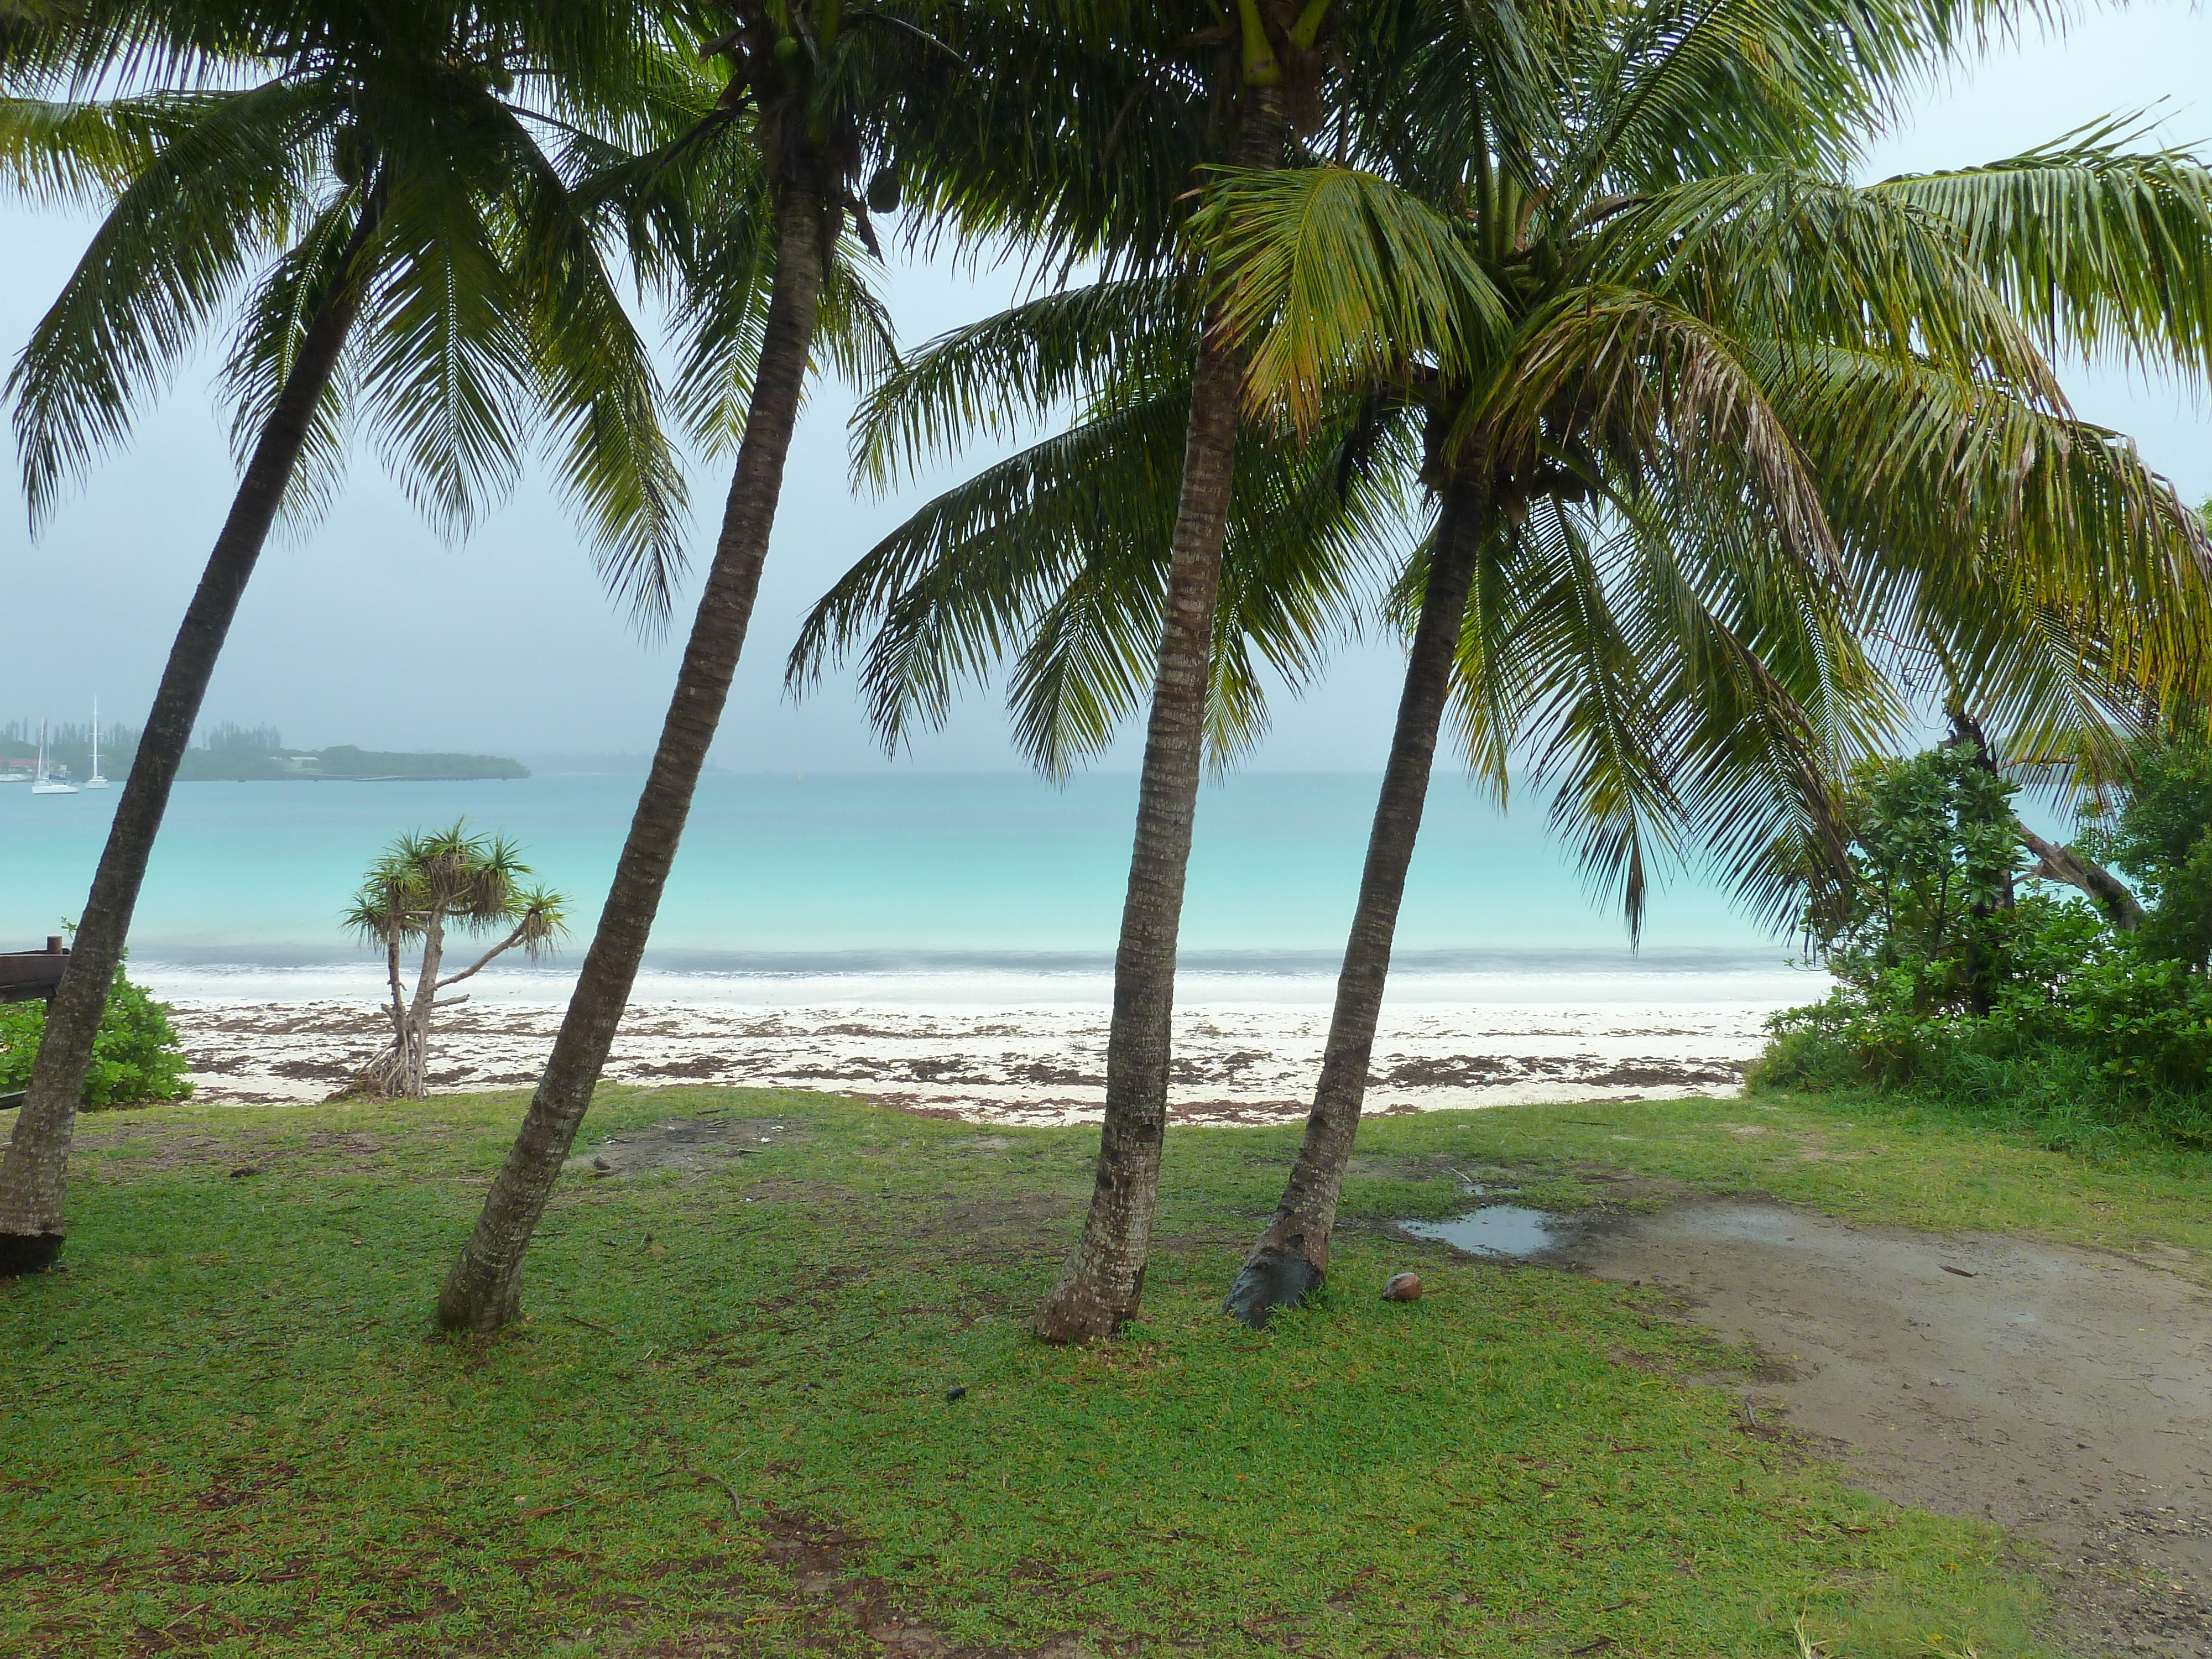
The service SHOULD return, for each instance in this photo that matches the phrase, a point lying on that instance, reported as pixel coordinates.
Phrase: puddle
(1499, 1229)
(1744, 1223)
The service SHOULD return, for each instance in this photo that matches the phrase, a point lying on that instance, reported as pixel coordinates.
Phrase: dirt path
(2064, 1394)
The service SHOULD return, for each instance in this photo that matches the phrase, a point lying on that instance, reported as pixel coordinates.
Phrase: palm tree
(1021, 152)
(1111, 188)
(754, 196)
(386, 170)
(1664, 589)
(1814, 392)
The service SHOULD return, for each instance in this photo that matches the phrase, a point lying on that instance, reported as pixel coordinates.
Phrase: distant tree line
(69, 746)
(227, 753)
(342, 760)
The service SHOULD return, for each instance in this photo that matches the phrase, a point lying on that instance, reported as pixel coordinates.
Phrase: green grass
(1876, 1155)
(229, 1430)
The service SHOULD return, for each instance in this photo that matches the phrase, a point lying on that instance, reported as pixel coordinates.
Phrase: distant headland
(244, 754)
(343, 762)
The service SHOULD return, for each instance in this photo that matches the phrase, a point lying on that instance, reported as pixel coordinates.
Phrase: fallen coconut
(1403, 1287)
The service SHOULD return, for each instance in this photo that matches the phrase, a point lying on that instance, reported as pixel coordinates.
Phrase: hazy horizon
(525, 654)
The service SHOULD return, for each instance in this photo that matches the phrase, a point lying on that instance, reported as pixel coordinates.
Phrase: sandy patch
(1037, 1066)
(692, 1146)
(2065, 1393)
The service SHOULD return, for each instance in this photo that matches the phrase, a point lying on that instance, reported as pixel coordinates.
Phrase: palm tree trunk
(2077, 869)
(1292, 1255)
(34, 1177)
(483, 1290)
(1104, 1281)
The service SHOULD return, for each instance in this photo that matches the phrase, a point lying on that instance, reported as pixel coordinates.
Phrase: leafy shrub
(2161, 839)
(1935, 847)
(136, 1059)
(2029, 1008)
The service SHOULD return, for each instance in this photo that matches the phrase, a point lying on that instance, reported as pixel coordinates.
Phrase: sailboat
(41, 783)
(95, 782)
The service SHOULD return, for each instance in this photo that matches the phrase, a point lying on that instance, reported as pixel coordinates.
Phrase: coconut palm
(424, 889)
(376, 198)
(1102, 1282)
(1808, 389)
(745, 214)
(1664, 510)
(1094, 162)
(1021, 151)
(1338, 94)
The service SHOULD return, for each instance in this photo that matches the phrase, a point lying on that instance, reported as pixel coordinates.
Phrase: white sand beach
(1018, 1048)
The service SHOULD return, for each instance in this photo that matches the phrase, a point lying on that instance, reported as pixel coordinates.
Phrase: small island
(229, 753)
(344, 762)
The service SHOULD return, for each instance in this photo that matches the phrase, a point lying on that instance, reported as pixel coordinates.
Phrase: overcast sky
(372, 631)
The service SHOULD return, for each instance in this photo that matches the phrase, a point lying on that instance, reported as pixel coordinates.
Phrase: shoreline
(1239, 1058)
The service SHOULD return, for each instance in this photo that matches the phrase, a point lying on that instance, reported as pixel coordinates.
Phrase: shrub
(136, 1059)
(2161, 838)
(2028, 1008)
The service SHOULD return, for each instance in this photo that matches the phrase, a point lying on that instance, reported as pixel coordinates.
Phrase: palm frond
(1332, 278)
(446, 353)
(1054, 562)
(1622, 370)
(65, 152)
(1680, 89)
(226, 189)
(992, 378)
(1964, 509)
(596, 387)
(271, 330)
(2098, 249)
(1785, 255)
(955, 590)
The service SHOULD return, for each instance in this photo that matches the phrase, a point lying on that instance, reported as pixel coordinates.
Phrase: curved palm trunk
(1104, 1282)
(2077, 869)
(34, 1177)
(1292, 1255)
(483, 1290)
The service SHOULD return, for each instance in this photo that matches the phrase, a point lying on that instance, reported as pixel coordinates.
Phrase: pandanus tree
(744, 212)
(425, 889)
(1667, 501)
(375, 200)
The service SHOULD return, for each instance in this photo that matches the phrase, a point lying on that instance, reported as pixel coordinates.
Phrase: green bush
(2161, 839)
(136, 1059)
(2024, 1007)
(2086, 1033)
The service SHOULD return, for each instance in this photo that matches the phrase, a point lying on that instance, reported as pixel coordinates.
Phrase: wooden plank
(25, 975)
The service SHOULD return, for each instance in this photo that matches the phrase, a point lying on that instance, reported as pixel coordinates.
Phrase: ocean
(891, 872)
(952, 934)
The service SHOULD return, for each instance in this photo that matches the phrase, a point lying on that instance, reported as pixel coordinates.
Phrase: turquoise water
(874, 872)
